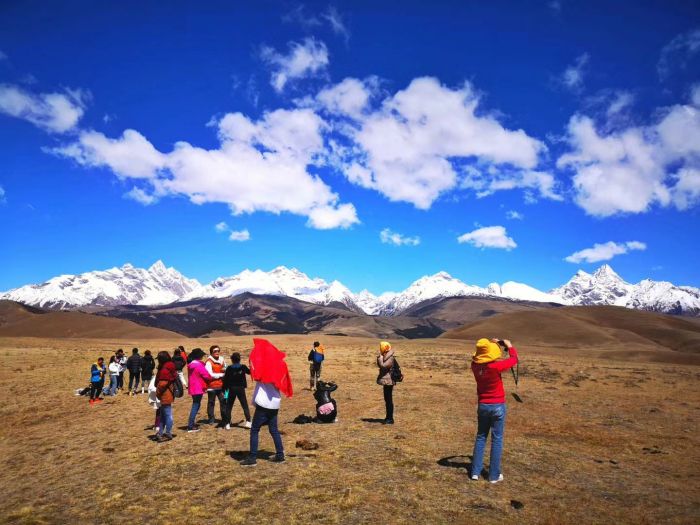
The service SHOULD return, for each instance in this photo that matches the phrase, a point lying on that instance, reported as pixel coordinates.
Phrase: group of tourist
(227, 383)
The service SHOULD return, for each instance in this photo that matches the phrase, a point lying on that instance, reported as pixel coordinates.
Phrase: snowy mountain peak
(158, 267)
(606, 272)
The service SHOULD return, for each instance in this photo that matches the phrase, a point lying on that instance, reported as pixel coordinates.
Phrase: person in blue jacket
(97, 380)
(316, 357)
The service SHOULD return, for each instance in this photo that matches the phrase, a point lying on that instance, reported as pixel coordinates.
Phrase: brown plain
(600, 438)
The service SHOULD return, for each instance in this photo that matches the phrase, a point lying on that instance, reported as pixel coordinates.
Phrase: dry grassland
(595, 441)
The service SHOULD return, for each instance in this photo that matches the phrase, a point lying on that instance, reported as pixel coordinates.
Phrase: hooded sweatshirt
(489, 385)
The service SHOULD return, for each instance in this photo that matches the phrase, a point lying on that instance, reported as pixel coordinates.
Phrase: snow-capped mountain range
(160, 285)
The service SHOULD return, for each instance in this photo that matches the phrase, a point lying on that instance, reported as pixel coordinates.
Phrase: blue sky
(496, 141)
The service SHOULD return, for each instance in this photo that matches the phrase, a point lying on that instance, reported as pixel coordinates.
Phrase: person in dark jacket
(180, 362)
(133, 365)
(165, 377)
(147, 366)
(234, 388)
(326, 406)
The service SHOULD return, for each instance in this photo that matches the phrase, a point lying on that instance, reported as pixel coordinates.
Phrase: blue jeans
(196, 402)
(491, 417)
(166, 419)
(265, 416)
(113, 380)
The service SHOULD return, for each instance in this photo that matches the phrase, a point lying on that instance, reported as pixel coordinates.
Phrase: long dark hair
(163, 357)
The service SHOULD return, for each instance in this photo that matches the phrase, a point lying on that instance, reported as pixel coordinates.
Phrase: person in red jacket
(491, 413)
(165, 377)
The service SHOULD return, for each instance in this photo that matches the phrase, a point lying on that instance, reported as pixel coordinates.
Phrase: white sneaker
(156, 429)
(247, 424)
(228, 426)
(474, 478)
(500, 478)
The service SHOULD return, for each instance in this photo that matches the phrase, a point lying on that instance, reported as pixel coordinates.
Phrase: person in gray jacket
(385, 360)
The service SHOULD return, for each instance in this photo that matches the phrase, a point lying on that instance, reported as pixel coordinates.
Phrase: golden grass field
(595, 441)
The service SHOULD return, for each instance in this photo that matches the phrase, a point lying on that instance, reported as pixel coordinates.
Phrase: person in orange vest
(216, 366)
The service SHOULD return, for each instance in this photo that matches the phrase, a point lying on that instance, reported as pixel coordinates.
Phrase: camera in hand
(502, 343)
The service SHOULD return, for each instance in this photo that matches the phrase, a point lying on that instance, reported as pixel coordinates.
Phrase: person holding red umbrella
(269, 370)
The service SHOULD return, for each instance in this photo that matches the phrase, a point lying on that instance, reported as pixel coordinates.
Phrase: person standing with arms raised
(491, 414)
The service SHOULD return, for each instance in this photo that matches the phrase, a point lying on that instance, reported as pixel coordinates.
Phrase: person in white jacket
(113, 376)
(216, 366)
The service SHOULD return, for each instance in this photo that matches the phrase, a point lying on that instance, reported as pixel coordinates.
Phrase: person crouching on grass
(491, 414)
(165, 377)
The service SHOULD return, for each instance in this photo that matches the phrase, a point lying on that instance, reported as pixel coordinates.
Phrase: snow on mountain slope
(161, 285)
(116, 286)
(442, 284)
(285, 281)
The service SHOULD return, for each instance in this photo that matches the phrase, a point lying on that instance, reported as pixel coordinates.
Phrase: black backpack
(178, 388)
(396, 374)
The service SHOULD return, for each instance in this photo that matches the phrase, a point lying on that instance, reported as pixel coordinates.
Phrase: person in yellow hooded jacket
(491, 414)
(385, 360)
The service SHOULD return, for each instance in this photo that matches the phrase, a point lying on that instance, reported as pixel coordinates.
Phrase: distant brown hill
(18, 320)
(613, 328)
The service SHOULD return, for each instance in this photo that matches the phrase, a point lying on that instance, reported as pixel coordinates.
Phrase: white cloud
(259, 166)
(349, 98)
(514, 215)
(221, 227)
(309, 21)
(629, 170)
(677, 52)
(53, 112)
(3, 199)
(129, 156)
(621, 100)
(572, 77)
(141, 196)
(604, 252)
(303, 60)
(410, 149)
(243, 235)
(488, 237)
(389, 237)
(493, 179)
(3, 56)
(686, 192)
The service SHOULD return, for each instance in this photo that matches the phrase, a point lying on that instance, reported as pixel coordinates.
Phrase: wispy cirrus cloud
(303, 59)
(604, 251)
(678, 52)
(572, 77)
(389, 237)
(488, 237)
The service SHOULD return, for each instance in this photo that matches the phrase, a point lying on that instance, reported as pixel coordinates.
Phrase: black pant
(120, 380)
(212, 395)
(389, 401)
(134, 378)
(95, 389)
(233, 394)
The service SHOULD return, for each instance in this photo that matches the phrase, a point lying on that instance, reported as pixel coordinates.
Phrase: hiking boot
(161, 439)
(228, 426)
(169, 437)
(193, 429)
(500, 478)
(249, 462)
(247, 424)
(279, 458)
(388, 422)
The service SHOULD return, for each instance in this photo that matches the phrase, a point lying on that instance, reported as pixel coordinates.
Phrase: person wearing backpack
(216, 366)
(147, 367)
(180, 361)
(165, 379)
(198, 378)
(385, 363)
(234, 388)
(97, 380)
(316, 357)
(133, 365)
(491, 413)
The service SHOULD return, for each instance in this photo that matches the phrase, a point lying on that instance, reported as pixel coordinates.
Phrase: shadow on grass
(240, 455)
(372, 420)
(452, 462)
